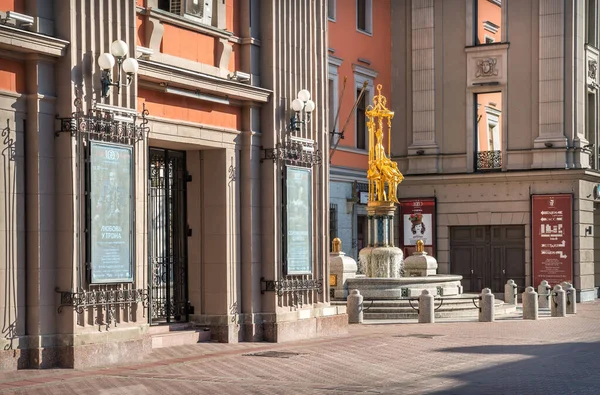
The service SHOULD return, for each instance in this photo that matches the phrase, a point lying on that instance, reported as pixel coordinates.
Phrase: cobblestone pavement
(549, 356)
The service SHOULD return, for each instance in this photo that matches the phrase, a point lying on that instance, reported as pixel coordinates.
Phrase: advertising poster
(299, 220)
(417, 223)
(111, 220)
(551, 238)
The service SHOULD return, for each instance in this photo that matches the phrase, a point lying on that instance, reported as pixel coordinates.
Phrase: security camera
(20, 19)
(239, 76)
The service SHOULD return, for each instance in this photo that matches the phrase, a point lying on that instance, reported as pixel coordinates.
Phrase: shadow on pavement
(563, 368)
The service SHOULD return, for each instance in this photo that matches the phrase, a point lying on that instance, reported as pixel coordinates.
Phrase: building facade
(499, 101)
(359, 60)
(166, 190)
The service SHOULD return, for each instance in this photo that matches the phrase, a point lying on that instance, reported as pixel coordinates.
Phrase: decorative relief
(486, 68)
(592, 69)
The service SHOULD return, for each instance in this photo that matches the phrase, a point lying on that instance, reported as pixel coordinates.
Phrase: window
(592, 23)
(334, 64)
(199, 10)
(361, 121)
(364, 16)
(333, 222)
(331, 9)
(488, 18)
(591, 131)
(489, 131)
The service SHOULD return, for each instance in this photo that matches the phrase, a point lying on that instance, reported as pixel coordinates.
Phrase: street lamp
(106, 61)
(301, 105)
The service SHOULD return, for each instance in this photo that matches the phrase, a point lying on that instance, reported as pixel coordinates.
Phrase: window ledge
(180, 21)
(365, 32)
(352, 150)
(490, 46)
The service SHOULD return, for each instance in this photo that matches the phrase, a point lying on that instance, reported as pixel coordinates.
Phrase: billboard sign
(298, 220)
(417, 222)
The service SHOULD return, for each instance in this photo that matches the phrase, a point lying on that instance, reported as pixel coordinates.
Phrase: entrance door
(488, 256)
(167, 236)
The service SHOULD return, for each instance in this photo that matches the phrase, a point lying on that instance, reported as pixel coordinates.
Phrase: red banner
(417, 222)
(552, 238)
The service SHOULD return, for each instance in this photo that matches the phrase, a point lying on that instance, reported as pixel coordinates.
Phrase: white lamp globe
(130, 66)
(106, 61)
(304, 95)
(309, 106)
(297, 105)
(119, 48)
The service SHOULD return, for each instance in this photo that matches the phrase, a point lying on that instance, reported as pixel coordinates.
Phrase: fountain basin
(405, 287)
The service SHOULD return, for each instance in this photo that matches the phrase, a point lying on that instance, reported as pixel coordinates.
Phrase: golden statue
(382, 170)
(336, 245)
(420, 246)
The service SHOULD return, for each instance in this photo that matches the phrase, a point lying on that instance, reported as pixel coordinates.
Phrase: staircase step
(179, 338)
(166, 328)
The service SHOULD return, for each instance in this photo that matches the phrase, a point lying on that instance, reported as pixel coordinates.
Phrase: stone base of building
(280, 327)
(81, 350)
(587, 295)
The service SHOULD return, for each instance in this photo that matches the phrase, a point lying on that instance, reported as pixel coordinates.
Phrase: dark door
(167, 236)
(487, 256)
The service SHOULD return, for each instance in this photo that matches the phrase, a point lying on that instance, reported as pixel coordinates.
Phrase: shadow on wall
(563, 368)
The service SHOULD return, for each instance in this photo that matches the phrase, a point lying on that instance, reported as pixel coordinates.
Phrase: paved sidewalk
(549, 356)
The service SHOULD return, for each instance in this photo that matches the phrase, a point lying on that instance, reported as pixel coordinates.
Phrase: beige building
(172, 192)
(499, 99)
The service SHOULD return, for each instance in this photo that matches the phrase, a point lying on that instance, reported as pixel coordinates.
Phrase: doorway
(488, 256)
(167, 236)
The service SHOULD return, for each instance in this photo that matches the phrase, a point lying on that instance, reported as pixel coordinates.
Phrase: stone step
(180, 338)
(166, 328)
(500, 309)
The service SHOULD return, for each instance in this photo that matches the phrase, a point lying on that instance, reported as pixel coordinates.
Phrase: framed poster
(417, 222)
(298, 220)
(111, 215)
(552, 238)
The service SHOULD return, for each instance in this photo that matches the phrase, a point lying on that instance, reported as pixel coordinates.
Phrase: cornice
(182, 78)
(24, 41)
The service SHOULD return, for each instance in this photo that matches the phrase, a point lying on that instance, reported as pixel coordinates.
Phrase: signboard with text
(111, 213)
(298, 220)
(417, 222)
(552, 238)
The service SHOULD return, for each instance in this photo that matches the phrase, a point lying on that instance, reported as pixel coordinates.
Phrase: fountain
(383, 277)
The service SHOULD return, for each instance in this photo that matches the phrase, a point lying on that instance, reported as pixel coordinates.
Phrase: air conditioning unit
(200, 9)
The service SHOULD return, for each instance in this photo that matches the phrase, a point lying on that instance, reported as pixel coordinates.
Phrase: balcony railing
(489, 160)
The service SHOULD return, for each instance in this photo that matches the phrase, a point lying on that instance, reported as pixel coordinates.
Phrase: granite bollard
(558, 302)
(426, 308)
(486, 306)
(571, 299)
(354, 307)
(530, 304)
(544, 291)
(510, 293)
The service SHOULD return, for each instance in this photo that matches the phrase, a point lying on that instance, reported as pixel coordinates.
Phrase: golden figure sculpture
(382, 170)
(420, 246)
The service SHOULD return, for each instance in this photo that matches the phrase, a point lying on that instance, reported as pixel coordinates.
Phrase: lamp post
(302, 107)
(106, 61)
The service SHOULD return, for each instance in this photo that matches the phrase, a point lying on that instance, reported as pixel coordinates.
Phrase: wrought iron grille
(168, 237)
(293, 291)
(294, 151)
(489, 160)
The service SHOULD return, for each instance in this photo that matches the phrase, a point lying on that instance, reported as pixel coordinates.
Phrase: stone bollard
(571, 299)
(486, 306)
(558, 302)
(510, 293)
(530, 304)
(544, 291)
(354, 307)
(426, 308)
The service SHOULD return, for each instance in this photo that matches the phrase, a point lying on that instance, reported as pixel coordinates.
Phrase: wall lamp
(302, 107)
(106, 61)
(588, 230)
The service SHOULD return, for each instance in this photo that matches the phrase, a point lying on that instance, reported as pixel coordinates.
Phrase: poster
(111, 215)
(417, 223)
(551, 238)
(298, 220)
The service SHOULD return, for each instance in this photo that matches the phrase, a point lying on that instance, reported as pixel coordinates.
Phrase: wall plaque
(298, 220)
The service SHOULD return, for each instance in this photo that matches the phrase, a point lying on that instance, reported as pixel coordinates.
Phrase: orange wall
(12, 76)
(12, 5)
(349, 45)
(488, 11)
(169, 106)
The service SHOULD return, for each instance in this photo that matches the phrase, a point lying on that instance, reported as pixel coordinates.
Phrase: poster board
(298, 241)
(417, 222)
(552, 238)
(111, 216)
